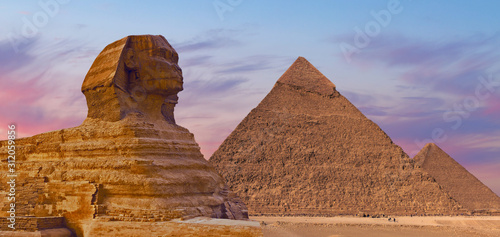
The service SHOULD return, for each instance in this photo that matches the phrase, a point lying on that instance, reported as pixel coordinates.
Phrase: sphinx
(135, 75)
(129, 160)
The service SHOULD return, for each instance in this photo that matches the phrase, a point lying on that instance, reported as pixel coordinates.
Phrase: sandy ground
(378, 227)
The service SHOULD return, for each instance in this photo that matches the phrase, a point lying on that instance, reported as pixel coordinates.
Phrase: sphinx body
(128, 160)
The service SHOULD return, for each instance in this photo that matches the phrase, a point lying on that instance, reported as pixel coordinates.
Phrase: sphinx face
(157, 71)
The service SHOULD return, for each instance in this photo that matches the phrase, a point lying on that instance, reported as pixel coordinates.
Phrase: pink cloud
(492, 107)
(20, 101)
(40, 85)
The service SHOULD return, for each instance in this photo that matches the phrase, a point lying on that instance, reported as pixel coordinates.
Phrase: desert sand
(277, 226)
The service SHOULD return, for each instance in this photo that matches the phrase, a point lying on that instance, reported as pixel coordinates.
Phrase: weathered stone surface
(128, 161)
(35, 226)
(58, 232)
(304, 75)
(455, 180)
(205, 227)
(306, 150)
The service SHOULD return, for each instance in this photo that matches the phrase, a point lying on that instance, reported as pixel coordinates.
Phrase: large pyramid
(456, 180)
(306, 150)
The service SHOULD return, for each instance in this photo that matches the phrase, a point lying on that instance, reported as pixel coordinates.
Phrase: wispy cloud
(212, 39)
(28, 107)
(486, 141)
(492, 109)
(192, 61)
(398, 50)
(448, 66)
(11, 60)
(207, 108)
(247, 64)
(433, 77)
(41, 85)
(215, 86)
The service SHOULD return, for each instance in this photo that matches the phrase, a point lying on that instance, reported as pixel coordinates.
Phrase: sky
(424, 71)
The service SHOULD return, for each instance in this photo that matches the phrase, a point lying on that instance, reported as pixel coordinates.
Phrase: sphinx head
(137, 75)
(152, 65)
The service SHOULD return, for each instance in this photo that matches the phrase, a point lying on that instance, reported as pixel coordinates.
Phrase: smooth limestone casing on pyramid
(306, 150)
(128, 161)
(457, 181)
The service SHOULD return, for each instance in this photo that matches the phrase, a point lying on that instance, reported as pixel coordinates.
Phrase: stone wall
(195, 227)
(33, 223)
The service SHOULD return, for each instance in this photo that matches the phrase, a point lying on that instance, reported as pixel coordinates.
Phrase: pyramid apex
(431, 145)
(429, 150)
(303, 74)
(301, 58)
(434, 147)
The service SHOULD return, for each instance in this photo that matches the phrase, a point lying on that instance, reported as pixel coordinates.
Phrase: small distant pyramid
(306, 150)
(456, 180)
